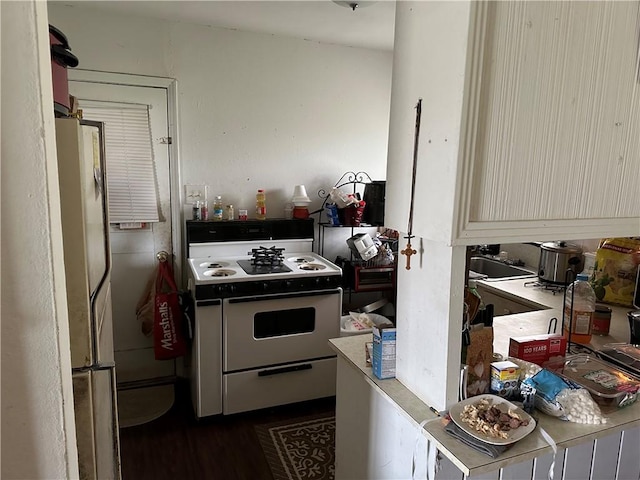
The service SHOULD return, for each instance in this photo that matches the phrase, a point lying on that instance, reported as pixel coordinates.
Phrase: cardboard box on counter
(384, 351)
(538, 348)
(505, 378)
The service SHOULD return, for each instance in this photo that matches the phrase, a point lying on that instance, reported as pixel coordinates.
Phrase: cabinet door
(557, 133)
(530, 123)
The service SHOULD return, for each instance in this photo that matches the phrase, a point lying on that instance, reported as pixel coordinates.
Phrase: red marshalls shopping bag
(168, 338)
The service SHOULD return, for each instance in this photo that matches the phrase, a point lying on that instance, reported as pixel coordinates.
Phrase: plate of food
(492, 419)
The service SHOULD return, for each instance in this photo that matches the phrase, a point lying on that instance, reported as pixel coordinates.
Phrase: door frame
(175, 174)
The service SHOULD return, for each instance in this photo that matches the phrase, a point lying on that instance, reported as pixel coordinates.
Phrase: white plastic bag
(341, 199)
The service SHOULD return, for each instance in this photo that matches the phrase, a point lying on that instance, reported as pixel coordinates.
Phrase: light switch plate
(193, 193)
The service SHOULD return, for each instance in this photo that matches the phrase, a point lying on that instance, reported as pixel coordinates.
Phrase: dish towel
(488, 449)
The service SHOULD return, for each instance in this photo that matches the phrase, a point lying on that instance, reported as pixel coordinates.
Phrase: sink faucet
(488, 249)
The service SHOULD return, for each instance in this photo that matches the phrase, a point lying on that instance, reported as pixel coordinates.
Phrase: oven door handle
(263, 298)
(278, 371)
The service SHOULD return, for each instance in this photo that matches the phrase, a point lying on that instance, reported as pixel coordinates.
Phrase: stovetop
(209, 270)
(226, 278)
(221, 253)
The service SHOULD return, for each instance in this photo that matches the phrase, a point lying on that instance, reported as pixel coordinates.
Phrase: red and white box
(538, 348)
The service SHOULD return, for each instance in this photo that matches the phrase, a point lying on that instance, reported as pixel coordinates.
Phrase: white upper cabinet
(538, 137)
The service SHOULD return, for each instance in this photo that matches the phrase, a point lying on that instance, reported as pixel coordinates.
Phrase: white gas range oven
(265, 308)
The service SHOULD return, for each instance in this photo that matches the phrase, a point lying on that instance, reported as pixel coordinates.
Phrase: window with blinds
(130, 170)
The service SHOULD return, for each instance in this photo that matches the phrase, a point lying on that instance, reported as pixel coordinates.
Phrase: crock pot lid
(561, 247)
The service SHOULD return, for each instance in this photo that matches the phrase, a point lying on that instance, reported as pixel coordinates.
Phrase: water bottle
(261, 205)
(218, 211)
(578, 317)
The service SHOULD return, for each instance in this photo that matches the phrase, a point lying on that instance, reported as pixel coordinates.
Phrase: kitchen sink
(494, 270)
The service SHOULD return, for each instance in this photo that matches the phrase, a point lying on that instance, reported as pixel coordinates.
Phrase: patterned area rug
(301, 450)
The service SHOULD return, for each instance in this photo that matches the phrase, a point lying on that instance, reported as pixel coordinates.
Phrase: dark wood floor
(176, 446)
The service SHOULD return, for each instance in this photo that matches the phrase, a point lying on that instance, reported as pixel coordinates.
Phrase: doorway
(134, 247)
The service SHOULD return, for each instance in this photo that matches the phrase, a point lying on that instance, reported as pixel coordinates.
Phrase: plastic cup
(299, 191)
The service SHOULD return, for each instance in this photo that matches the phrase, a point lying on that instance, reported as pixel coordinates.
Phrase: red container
(537, 348)
(351, 216)
(61, 58)
(601, 320)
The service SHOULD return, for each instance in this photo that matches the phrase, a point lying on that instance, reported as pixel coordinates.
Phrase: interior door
(133, 251)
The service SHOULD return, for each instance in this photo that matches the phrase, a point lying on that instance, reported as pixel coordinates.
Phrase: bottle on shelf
(579, 307)
(197, 210)
(218, 211)
(261, 205)
(229, 214)
(204, 211)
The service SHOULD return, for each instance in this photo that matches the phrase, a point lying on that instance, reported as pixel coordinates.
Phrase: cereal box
(384, 351)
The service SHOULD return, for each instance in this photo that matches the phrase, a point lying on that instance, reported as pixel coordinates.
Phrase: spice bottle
(217, 208)
(601, 320)
(229, 215)
(261, 205)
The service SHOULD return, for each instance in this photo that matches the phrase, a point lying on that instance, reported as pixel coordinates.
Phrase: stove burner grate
(214, 264)
(300, 260)
(263, 256)
(219, 272)
(311, 266)
(554, 288)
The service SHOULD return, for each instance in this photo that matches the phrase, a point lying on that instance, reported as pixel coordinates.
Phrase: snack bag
(615, 270)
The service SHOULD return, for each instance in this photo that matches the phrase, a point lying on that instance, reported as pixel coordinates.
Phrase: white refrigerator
(87, 258)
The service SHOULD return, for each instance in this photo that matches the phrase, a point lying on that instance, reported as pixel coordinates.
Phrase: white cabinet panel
(373, 439)
(517, 471)
(542, 464)
(541, 139)
(629, 458)
(556, 138)
(577, 462)
(495, 475)
(605, 457)
(447, 470)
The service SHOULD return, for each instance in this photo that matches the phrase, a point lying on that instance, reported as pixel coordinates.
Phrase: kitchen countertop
(565, 434)
(536, 322)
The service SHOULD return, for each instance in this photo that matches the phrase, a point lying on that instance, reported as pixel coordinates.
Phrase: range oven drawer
(279, 329)
(268, 387)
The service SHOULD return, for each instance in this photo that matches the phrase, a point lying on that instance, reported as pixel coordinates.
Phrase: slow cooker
(560, 262)
(61, 58)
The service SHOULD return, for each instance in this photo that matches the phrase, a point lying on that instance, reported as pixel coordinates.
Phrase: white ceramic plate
(513, 435)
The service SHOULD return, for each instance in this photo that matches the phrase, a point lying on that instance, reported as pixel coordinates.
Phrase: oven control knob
(231, 288)
(265, 286)
(288, 284)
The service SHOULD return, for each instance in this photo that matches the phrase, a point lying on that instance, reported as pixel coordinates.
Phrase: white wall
(256, 110)
(38, 429)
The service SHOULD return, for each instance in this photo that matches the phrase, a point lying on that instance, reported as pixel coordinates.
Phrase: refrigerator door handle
(105, 224)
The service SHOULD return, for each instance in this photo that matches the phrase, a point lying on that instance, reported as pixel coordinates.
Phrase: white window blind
(130, 170)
